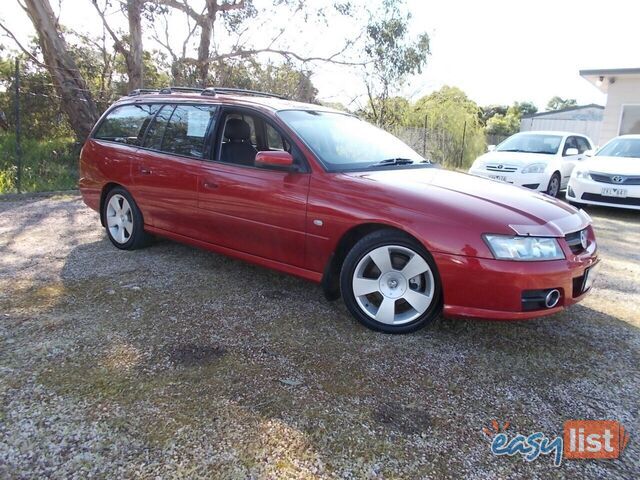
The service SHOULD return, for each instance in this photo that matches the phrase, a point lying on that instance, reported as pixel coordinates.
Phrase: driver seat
(238, 148)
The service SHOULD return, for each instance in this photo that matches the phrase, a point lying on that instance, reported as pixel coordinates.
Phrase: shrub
(48, 164)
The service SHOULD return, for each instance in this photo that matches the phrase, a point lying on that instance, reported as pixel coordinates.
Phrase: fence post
(17, 113)
(424, 137)
(464, 134)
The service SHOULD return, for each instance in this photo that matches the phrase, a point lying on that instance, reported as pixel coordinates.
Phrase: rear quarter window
(126, 124)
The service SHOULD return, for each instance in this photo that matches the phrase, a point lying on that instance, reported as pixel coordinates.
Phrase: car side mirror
(274, 159)
(491, 148)
(589, 153)
(571, 151)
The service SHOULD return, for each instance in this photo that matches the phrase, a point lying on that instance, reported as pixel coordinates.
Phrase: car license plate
(589, 276)
(501, 178)
(614, 192)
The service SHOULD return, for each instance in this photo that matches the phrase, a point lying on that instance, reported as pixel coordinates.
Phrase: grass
(47, 165)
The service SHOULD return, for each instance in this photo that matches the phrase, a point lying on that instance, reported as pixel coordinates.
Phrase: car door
(254, 210)
(568, 161)
(165, 172)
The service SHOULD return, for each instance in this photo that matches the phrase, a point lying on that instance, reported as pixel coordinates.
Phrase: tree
(450, 115)
(130, 46)
(559, 103)
(393, 56)
(77, 100)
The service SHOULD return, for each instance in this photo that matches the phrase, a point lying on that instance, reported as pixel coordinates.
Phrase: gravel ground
(173, 362)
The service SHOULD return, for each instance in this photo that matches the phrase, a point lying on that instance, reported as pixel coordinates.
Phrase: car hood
(483, 203)
(512, 158)
(613, 165)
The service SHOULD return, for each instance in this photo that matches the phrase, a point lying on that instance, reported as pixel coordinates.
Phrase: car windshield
(343, 142)
(621, 147)
(531, 143)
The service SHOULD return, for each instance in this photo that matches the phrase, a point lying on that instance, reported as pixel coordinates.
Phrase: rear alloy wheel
(554, 185)
(123, 220)
(389, 283)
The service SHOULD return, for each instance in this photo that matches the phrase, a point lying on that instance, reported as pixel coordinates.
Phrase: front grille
(501, 168)
(606, 178)
(574, 242)
(594, 197)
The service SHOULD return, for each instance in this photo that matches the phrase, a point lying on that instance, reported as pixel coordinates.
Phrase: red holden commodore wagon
(320, 194)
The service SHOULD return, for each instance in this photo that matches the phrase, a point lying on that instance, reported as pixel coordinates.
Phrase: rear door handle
(145, 171)
(210, 185)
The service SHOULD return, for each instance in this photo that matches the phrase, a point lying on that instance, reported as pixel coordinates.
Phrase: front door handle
(145, 171)
(210, 185)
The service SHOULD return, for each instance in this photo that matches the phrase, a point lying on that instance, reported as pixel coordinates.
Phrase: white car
(541, 161)
(610, 178)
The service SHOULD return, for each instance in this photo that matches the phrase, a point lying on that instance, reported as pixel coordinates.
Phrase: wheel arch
(331, 276)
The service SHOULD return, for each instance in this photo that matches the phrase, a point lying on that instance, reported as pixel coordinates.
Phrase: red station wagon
(320, 194)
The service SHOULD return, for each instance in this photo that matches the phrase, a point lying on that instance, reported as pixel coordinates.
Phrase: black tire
(135, 239)
(553, 189)
(362, 248)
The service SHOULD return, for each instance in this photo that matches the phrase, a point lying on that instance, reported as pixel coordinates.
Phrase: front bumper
(534, 181)
(587, 191)
(493, 289)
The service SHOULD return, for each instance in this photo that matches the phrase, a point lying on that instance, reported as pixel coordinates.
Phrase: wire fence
(33, 161)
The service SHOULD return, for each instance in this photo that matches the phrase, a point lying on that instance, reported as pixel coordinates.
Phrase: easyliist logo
(582, 439)
(594, 439)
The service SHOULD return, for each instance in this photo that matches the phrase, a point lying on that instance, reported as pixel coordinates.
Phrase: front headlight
(534, 168)
(582, 173)
(504, 247)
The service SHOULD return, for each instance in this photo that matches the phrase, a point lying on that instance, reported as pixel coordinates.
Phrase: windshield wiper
(392, 161)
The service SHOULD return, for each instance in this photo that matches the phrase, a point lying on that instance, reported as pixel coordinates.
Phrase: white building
(585, 119)
(622, 112)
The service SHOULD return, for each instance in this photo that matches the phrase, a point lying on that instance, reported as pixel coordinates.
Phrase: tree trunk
(134, 57)
(207, 21)
(76, 99)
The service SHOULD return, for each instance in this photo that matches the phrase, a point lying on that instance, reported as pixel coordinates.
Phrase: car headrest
(237, 130)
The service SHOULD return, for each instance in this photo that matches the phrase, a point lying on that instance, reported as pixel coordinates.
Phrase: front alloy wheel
(392, 283)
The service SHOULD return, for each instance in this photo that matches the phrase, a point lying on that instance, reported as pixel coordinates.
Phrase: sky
(497, 51)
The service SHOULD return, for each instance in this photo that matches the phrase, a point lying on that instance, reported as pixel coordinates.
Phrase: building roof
(604, 77)
(568, 109)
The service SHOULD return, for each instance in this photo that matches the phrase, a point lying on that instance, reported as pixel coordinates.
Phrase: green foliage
(283, 79)
(500, 120)
(393, 56)
(446, 112)
(559, 103)
(46, 164)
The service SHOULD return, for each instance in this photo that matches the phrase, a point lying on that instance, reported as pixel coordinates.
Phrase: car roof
(274, 103)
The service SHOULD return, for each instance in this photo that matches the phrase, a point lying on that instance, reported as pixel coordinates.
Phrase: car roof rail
(243, 91)
(209, 91)
(142, 91)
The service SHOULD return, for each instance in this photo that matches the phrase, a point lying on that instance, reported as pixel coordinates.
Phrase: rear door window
(127, 124)
(186, 130)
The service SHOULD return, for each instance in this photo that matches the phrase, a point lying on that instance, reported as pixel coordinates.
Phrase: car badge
(617, 179)
(500, 167)
(583, 239)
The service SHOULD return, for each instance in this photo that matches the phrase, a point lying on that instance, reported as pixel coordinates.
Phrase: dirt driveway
(175, 362)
